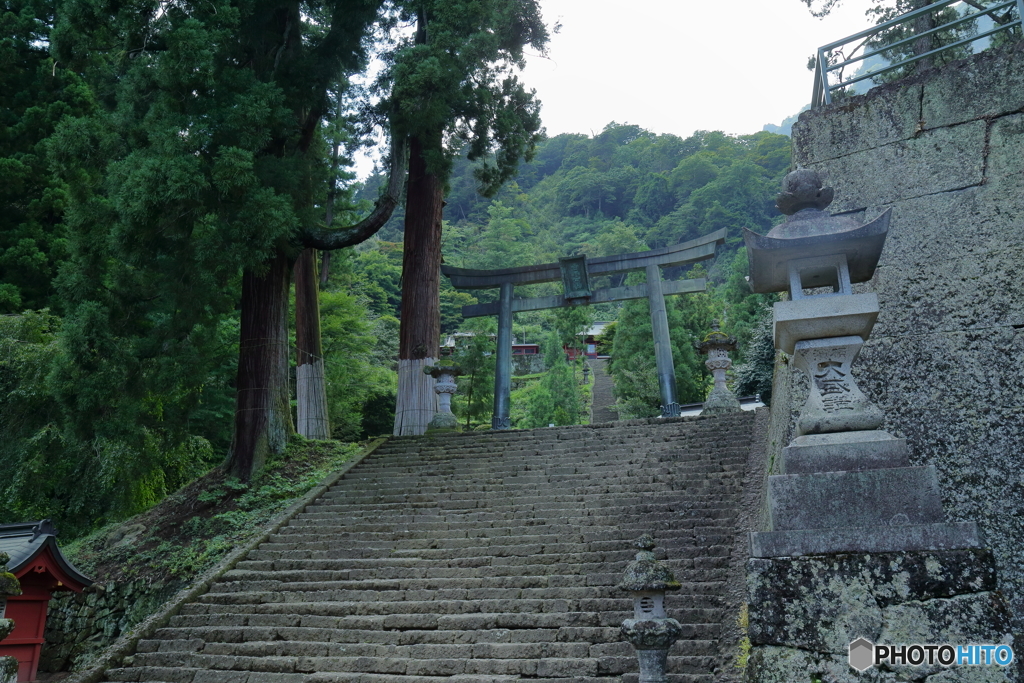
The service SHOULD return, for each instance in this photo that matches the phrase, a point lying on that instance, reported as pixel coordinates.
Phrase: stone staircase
(480, 557)
(604, 393)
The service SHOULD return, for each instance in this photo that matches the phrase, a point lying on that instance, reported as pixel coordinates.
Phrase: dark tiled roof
(25, 541)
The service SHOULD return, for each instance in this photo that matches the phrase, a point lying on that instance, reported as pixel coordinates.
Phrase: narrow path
(604, 394)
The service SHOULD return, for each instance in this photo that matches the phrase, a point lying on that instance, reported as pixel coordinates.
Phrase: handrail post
(816, 93)
(824, 76)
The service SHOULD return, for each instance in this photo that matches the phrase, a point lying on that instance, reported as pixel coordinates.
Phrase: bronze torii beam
(575, 273)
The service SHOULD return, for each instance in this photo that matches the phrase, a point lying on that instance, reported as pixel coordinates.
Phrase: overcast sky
(676, 66)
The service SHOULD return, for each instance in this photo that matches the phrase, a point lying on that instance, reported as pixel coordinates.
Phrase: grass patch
(191, 530)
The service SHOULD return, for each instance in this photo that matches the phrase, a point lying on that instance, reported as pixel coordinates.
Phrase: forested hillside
(622, 190)
(171, 176)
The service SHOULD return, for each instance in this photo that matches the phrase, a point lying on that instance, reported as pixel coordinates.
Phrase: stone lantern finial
(803, 189)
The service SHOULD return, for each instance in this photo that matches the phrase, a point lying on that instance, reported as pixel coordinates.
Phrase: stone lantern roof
(716, 339)
(811, 232)
(645, 573)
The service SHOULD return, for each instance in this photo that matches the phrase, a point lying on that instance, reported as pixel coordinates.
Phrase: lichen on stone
(645, 573)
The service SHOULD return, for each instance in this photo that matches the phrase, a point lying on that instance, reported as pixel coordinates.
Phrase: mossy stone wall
(81, 625)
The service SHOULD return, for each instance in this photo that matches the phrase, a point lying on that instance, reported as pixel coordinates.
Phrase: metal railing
(823, 67)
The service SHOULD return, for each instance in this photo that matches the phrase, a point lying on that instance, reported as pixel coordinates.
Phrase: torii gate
(575, 273)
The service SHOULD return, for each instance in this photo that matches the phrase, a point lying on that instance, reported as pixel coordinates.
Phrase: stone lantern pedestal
(444, 374)
(650, 630)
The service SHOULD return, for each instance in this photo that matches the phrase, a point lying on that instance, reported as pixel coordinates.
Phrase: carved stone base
(443, 422)
(720, 401)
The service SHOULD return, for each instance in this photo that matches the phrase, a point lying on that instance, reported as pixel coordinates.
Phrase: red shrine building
(42, 569)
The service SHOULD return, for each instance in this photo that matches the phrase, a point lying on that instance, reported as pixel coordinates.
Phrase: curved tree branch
(326, 239)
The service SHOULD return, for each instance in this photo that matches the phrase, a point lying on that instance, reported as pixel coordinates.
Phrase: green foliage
(166, 150)
(35, 94)
(632, 361)
(193, 529)
(360, 342)
(453, 81)
(755, 375)
(556, 398)
(474, 400)
(53, 471)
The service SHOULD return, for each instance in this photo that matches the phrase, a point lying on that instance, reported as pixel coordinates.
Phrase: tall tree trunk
(310, 385)
(263, 419)
(923, 23)
(420, 329)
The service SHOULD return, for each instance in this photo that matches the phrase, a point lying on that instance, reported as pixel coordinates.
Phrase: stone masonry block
(1006, 148)
(771, 664)
(844, 451)
(870, 498)
(974, 618)
(865, 123)
(988, 84)
(936, 161)
(911, 537)
(823, 603)
(950, 296)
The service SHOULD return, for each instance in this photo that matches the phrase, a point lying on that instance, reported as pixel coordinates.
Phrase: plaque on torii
(575, 272)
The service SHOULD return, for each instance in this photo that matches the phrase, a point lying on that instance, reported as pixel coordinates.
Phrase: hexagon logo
(862, 654)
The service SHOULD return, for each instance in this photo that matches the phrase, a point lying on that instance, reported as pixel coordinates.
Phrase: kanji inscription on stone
(834, 386)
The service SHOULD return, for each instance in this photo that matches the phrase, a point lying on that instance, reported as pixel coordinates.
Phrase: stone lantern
(717, 346)
(650, 630)
(444, 373)
(845, 485)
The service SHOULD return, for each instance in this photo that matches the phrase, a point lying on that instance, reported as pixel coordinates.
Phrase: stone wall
(945, 150)
(81, 625)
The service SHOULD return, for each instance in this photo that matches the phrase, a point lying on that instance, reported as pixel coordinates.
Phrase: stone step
(449, 661)
(444, 589)
(431, 616)
(413, 567)
(161, 653)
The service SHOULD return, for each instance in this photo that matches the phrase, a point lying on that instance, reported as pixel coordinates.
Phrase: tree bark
(263, 420)
(420, 329)
(310, 384)
(923, 23)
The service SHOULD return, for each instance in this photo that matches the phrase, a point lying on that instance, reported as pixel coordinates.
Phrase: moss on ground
(191, 530)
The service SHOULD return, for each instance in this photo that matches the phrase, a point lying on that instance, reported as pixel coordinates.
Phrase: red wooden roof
(32, 547)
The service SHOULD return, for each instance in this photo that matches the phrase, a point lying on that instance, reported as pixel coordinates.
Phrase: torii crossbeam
(575, 273)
